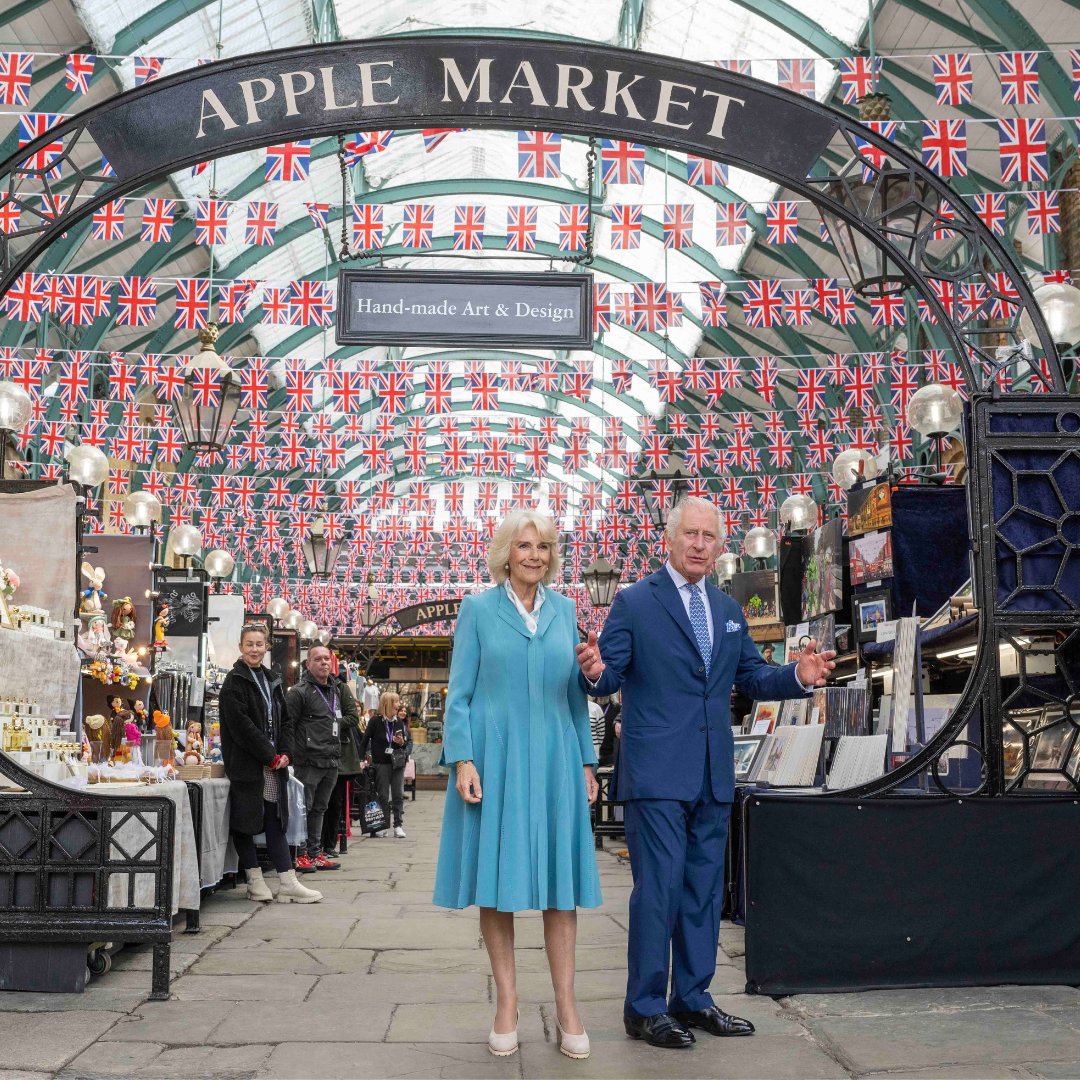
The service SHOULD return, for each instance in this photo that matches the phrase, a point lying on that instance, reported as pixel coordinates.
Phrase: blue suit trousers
(677, 854)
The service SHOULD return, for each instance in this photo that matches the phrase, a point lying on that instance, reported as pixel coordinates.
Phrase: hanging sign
(433, 611)
(436, 307)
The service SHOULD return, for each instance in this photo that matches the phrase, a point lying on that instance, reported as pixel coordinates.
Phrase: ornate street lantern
(210, 397)
(601, 582)
(673, 480)
(320, 554)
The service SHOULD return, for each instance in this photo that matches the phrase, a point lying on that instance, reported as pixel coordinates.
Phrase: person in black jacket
(256, 743)
(315, 705)
(388, 740)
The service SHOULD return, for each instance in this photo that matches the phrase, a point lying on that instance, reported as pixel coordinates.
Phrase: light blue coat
(515, 708)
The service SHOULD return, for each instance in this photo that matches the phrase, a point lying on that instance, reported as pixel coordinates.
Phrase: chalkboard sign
(445, 307)
(186, 600)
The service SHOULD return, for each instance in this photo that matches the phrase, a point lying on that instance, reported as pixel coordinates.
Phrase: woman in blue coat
(516, 832)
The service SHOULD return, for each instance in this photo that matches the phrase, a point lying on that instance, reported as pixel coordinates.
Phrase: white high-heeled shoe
(503, 1044)
(573, 1046)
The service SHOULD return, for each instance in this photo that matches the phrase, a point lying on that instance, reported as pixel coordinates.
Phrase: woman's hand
(592, 788)
(468, 782)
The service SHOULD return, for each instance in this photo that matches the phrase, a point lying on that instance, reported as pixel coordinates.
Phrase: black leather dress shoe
(661, 1030)
(715, 1021)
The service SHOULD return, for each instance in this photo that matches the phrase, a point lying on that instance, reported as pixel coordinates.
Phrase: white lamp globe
(1060, 305)
(15, 407)
(935, 410)
(851, 465)
(278, 608)
(219, 563)
(325, 637)
(760, 543)
(87, 465)
(185, 540)
(294, 619)
(727, 565)
(141, 510)
(799, 513)
(309, 630)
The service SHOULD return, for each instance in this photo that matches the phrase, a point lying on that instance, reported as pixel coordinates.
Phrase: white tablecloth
(214, 838)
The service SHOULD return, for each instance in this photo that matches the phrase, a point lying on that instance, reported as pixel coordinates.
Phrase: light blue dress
(515, 708)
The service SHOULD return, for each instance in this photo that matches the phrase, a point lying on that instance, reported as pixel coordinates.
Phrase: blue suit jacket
(670, 711)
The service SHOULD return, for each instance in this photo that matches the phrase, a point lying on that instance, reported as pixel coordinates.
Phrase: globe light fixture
(210, 397)
(219, 564)
(325, 637)
(799, 513)
(142, 510)
(309, 630)
(727, 566)
(293, 619)
(278, 608)
(87, 465)
(852, 465)
(760, 543)
(601, 582)
(933, 411)
(16, 409)
(1060, 306)
(185, 541)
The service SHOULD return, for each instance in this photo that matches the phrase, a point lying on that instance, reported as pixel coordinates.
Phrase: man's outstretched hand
(813, 667)
(588, 658)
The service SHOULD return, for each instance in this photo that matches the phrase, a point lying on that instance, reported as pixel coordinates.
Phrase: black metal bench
(79, 867)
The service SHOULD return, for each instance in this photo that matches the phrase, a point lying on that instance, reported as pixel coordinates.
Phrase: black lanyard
(330, 702)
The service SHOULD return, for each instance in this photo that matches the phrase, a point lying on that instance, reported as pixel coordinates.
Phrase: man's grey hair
(692, 502)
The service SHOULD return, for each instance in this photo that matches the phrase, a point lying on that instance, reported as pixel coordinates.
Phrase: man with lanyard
(315, 705)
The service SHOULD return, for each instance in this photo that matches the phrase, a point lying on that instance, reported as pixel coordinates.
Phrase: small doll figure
(193, 741)
(161, 620)
(95, 641)
(140, 713)
(97, 733)
(123, 619)
(164, 744)
(132, 739)
(116, 704)
(94, 592)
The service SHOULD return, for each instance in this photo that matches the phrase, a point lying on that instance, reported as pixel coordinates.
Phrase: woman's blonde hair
(388, 703)
(499, 552)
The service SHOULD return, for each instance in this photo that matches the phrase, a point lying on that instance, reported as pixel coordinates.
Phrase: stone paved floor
(374, 982)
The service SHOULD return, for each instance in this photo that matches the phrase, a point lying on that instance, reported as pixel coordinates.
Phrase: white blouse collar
(532, 618)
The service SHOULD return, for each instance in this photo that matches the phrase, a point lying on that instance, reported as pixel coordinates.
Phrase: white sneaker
(399, 832)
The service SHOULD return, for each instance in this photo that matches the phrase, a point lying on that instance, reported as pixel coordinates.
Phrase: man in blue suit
(675, 645)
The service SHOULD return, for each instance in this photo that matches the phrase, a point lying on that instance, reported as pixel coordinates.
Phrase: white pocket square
(733, 627)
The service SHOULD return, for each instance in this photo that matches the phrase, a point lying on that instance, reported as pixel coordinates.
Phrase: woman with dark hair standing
(388, 740)
(256, 745)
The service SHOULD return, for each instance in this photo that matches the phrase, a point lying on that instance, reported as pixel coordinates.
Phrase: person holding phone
(517, 834)
(388, 743)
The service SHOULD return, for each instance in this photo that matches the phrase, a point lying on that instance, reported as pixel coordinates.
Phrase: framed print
(823, 572)
(764, 717)
(868, 609)
(758, 594)
(870, 557)
(823, 631)
(747, 748)
(868, 509)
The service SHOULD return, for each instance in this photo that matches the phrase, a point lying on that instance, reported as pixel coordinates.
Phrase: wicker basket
(217, 770)
(190, 772)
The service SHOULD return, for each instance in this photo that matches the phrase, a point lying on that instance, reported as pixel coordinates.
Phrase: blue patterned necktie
(700, 625)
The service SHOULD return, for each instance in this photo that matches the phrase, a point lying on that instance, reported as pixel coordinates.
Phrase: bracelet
(467, 761)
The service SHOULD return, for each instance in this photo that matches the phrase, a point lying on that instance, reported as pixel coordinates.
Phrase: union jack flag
(83, 299)
(539, 154)
(469, 228)
(573, 227)
(887, 309)
(418, 226)
(211, 221)
(122, 378)
(147, 68)
(233, 300)
(289, 161)
(857, 76)
(192, 302)
(136, 301)
(1019, 78)
(1074, 63)
(310, 303)
(741, 67)
(601, 306)
(367, 226)
(798, 307)
(944, 147)
(370, 142)
(31, 125)
(16, 72)
(108, 221)
(625, 227)
(713, 303)
(25, 300)
(434, 136)
(1042, 212)
(782, 222)
(621, 162)
(157, 220)
(78, 71)
(731, 224)
(990, 206)
(952, 77)
(319, 212)
(704, 172)
(1022, 142)
(74, 380)
(299, 387)
(521, 228)
(796, 75)
(261, 223)
(763, 303)
(9, 216)
(652, 308)
(678, 225)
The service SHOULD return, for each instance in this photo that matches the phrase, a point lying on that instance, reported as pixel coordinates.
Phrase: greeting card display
(871, 558)
(823, 575)
(758, 594)
(869, 509)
